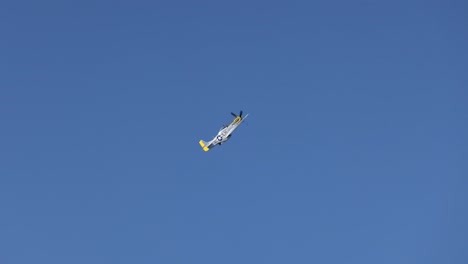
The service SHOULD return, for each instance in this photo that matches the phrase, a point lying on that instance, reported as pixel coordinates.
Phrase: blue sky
(354, 151)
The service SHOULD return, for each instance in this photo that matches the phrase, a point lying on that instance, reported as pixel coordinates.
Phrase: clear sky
(354, 151)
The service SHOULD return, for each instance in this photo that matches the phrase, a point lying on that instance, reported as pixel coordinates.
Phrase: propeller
(240, 114)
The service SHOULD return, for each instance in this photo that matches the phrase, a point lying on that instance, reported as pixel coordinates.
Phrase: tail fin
(204, 145)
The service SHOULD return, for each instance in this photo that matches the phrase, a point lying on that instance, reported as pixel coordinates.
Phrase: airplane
(224, 133)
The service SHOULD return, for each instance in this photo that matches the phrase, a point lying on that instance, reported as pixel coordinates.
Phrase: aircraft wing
(244, 117)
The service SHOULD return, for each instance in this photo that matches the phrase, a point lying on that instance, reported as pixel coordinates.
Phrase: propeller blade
(233, 114)
(240, 113)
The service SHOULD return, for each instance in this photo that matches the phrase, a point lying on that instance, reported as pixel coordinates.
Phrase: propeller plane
(224, 133)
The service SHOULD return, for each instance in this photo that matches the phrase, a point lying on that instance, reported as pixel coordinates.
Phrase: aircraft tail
(205, 145)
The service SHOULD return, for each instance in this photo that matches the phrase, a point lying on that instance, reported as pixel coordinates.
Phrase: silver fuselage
(223, 135)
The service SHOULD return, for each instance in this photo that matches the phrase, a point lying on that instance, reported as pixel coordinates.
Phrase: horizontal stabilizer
(204, 145)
